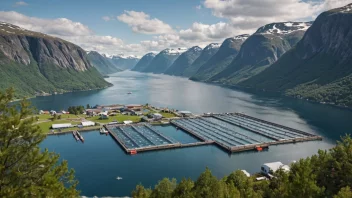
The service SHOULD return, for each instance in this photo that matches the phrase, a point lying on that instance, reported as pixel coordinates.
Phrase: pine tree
(26, 170)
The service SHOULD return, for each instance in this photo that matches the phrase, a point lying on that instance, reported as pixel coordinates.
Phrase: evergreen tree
(164, 188)
(25, 170)
(184, 189)
(141, 192)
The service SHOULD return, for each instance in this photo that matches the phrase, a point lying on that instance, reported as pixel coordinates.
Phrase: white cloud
(249, 14)
(21, 3)
(106, 18)
(142, 23)
(58, 27)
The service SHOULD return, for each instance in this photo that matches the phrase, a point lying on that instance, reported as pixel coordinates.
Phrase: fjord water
(100, 160)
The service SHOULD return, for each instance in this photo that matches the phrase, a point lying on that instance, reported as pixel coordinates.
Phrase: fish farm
(233, 132)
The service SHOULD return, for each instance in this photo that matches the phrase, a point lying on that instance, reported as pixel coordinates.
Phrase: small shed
(185, 113)
(61, 126)
(157, 116)
(127, 122)
(272, 167)
(104, 115)
(87, 123)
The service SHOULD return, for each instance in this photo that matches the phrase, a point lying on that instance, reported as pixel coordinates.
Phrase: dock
(151, 144)
(233, 132)
(236, 132)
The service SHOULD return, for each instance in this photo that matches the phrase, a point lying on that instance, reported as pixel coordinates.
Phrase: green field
(46, 126)
(167, 115)
(118, 118)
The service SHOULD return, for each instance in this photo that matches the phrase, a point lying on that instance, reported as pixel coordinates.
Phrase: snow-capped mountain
(164, 60)
(144, 62)
(283, 28)
(184, 61)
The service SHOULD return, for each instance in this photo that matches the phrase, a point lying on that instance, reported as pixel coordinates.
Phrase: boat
(118, 178)
(103, 131)
(75, 135)
(80, 136)
(129, 93)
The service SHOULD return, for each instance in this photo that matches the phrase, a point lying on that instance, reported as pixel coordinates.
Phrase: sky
(137, 27)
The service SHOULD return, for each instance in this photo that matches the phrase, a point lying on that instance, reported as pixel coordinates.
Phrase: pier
(236, 132)
(233, 132)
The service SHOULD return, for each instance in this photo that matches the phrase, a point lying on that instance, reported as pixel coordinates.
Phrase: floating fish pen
(238, 132)
(136, 138)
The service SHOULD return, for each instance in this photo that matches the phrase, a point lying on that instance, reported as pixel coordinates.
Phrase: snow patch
(283, 28)
(213, 46)
(175, 51)
(241, 37)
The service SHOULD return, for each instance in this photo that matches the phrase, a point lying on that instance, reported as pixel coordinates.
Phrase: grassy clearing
(118, 118)
(167, 115)
(46, 126)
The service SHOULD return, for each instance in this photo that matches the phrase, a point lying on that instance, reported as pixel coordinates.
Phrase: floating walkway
(233, 132)
(237, 132)
(137, 138)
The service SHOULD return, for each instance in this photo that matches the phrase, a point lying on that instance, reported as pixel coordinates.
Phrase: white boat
(103, 131)
(118, 178)
(80, 136)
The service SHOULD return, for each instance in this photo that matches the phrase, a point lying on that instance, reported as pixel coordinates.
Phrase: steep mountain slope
(226, 53)
(144, 62)
(320, 66)
(184, 61)
(206, 54)
(124, 62)
(35, 63)
(262, 49)
(102, 64)
(163, 60)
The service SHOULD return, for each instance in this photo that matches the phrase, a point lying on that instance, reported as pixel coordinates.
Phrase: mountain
(102, 63)
(144, 62)
(320, 66)
(35, 63)
(124, 62)
(262, 49)
(163, 60)
(226, 53)
(206, 54)
(184, 61)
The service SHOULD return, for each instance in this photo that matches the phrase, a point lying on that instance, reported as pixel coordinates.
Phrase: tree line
(325, 174)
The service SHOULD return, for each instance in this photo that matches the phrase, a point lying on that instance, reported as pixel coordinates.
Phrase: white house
(87, 123)
(272, 167)
(61, 126)
(157, 116)
(127, 122)
(185, 113)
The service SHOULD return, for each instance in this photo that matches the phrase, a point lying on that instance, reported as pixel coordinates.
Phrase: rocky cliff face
(223, 57)
(184, 61)
(321, 62)
(262, 49)
(206, 54)
(144, 62)
(56, 62)
(102, 64)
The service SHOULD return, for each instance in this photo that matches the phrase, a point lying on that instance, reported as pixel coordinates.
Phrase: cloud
(21, 3)
(199, 7)
(142, 23)
(249, 14)
(106, 18)
(58, 27)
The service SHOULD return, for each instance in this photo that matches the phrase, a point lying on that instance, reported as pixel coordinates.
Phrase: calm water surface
(100, 160)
